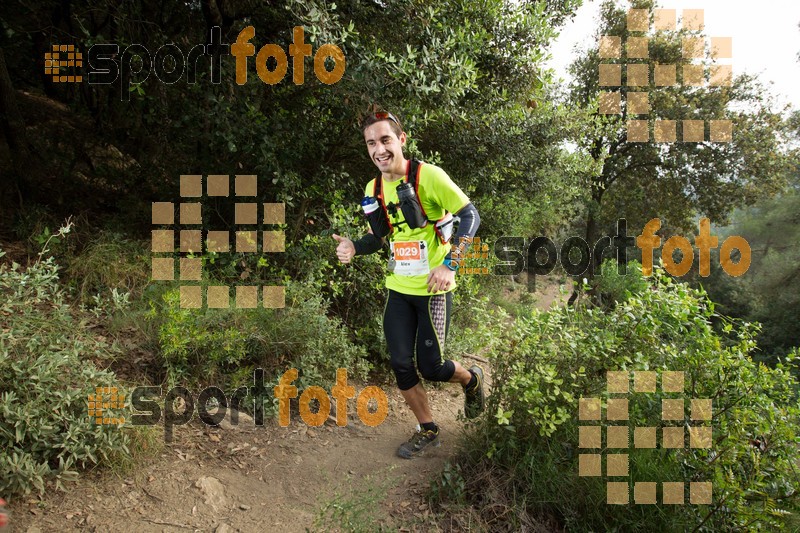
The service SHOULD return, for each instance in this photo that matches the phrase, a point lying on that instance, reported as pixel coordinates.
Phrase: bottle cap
(369, 204)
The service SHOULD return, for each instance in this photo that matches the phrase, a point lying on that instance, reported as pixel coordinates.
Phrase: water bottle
(410, 206)
(377, 219)
(444, 228)
(369, 204)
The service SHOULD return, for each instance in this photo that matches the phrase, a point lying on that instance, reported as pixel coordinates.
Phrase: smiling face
(386, 149)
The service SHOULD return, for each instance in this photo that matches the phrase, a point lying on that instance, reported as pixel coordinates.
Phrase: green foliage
(675, 181)
(210, 345)
(475, 324)
(616, 287)
(319, 344)
(356, 291)
(465, 77)
(45, 377)
(109, 262)
(550, 360)
(357, 509)
(769, 292)
(202, 345)
(527, 188)
(33, 226)
(450, 486)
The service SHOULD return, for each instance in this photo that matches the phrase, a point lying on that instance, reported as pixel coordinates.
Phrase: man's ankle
(430, 426)
(473, 380)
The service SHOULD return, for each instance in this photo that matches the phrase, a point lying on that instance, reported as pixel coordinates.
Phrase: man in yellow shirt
(421, 274)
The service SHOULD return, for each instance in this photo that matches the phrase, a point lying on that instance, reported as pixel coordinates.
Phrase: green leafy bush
(529, 438)
(45, 376)
(356, 291)
(109, 261)
(213, 344)
(196, 342)
(615, 287)
(475, 324)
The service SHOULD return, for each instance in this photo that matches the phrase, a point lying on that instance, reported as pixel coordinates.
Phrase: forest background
(82, 164)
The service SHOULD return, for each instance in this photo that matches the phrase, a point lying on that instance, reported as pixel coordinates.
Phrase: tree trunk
(14, 130)
(591, 238)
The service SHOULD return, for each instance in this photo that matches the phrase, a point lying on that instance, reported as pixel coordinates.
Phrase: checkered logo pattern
(473, 259)
(193, 240)
(63, 56)
(101, 401)
(630, 61)
(672, 429)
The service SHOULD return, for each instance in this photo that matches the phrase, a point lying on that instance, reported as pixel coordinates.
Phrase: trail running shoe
(475, 400)
(418, 442)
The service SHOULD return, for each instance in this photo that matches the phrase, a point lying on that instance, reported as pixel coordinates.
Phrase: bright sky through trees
(766, 38)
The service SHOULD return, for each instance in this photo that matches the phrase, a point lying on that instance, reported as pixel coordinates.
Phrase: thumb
(337, 238)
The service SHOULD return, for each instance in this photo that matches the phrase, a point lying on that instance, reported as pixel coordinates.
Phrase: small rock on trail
(213, 491)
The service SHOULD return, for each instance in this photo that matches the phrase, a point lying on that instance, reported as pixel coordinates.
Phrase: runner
(421, 270)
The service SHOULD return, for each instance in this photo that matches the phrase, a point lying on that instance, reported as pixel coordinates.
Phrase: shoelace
(419, 436)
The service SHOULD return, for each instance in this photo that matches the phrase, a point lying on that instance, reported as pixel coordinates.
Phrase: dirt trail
(248, 478)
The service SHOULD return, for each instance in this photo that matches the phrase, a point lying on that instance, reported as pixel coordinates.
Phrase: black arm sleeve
(368, 244)
(469, 220)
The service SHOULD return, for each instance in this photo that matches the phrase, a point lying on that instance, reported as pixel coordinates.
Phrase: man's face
(385, 147)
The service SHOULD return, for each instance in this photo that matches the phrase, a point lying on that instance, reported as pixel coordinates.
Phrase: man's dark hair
(377, 116)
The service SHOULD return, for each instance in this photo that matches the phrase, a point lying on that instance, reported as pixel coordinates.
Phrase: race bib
(409, 258)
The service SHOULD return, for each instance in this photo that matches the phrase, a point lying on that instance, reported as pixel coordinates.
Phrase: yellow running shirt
(415, 252)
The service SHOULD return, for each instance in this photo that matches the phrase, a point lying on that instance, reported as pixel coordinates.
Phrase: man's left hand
(441, 278)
